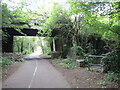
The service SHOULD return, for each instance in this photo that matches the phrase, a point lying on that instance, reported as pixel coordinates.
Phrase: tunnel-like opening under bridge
(7, 44)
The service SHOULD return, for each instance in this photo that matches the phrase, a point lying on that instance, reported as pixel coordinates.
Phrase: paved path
(36, 74)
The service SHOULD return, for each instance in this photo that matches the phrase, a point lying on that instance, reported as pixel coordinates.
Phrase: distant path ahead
(36, 74)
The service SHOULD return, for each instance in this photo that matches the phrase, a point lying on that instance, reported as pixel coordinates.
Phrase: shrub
(101, 82)
(67, 61)
(111, 76)
(5, 61)
(89, 60)
(111, 62)
(19, 60)
(25, 52)
(68, 66)
(76, 52)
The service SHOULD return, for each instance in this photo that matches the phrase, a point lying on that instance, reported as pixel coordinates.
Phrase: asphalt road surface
(36, 73)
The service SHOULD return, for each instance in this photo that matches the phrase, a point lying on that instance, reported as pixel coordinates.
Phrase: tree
(16, 17)
(97, 19)
(25, 45)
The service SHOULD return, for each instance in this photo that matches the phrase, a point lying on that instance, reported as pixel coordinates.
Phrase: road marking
(33, 75)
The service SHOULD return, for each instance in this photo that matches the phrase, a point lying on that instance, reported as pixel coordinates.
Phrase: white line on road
(33, 75)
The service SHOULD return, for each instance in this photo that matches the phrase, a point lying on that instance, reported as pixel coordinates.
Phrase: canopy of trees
(91, 27)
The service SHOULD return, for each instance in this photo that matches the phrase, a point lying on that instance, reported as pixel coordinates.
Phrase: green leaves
(16, 17)
(97, 18)
(58, 18)
(101, 18)
(5, 61)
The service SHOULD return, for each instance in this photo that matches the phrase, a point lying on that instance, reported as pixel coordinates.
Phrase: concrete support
(54, 48)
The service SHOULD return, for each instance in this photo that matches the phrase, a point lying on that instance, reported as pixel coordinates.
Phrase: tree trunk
(22, 46)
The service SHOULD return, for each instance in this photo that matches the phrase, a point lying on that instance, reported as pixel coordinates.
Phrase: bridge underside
(7, 44)
(23, 32)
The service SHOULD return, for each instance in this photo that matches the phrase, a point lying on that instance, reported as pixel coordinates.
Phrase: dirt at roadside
(9, 70)
(82, 78)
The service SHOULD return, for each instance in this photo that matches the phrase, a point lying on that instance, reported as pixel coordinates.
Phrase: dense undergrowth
(68, 64)
(6, 61)
(111, 64)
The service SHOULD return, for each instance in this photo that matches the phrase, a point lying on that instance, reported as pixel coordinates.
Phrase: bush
(111, 62)
(67, 61)
(89, 61)
(76, 52)
(111, 76)
(101, 82)
(25, 52)
(68, 66)
(20, 60)
(5, 61)
(47, 51)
